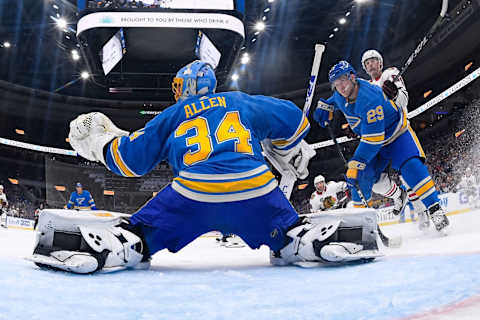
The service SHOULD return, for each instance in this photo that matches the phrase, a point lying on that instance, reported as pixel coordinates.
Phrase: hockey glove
(354, 171)
(90, 132)
(390, 89)
(324, 113)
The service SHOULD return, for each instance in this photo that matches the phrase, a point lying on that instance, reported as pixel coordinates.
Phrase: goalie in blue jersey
(385, 138)
(222, 182)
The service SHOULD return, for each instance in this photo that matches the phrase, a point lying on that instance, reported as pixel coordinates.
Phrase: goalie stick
(394, 242)
(288, 178)
(442, 17)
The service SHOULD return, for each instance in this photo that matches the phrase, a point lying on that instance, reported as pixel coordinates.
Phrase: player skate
(438, 217)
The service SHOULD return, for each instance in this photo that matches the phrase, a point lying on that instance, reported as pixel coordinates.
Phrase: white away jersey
(388, 74)
(332, 188)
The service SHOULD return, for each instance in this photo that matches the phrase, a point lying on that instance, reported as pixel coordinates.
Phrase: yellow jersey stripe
(393, 105)
(281, 143)
(427, 186)
(119, 161)
(415, 138)
(227, 187)
(378, 138)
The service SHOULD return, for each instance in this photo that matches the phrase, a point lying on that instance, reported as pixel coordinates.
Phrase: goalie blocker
(102, 241)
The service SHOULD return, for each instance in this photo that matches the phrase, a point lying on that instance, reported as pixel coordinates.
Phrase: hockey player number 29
(375, 114)
(230, 128)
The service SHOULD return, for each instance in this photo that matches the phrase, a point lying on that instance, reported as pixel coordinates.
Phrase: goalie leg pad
(83, 243)
(338, 236)
(347, 251)
(304, 238)
(358, 225)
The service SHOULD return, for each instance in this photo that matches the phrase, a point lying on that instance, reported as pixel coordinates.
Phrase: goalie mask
(196, 78)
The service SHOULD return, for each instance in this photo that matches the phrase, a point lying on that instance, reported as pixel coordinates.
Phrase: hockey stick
(387, 242)
(425, 39)
(288, 178)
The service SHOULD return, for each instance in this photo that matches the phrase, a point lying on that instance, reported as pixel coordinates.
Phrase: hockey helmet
(369, 54)
(318, 179)
(196, 78)
(338, 70)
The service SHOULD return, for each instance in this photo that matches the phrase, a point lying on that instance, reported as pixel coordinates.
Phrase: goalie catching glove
(89, 133)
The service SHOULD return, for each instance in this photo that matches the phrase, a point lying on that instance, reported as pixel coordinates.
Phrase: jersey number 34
(229, 128)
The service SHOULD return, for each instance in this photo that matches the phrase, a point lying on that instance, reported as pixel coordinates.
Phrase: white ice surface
(429, 277)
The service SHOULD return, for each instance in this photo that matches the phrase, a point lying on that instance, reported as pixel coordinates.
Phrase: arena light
(459, 133)
(331, 36)
(55, 6)
(302, 186)
(60, 188)
(109, 192)
(266, 10)
(7, 44)
(360, 1)
(75, 55)
(245, 59)
(468, 66)
(260, 26)
(235, 77)
(335, 29)
(342, 21)
(347, 13)
(85, 75)
(13, 181)
(427, 93)
(20, 131)
(271, 1)
(62, 23)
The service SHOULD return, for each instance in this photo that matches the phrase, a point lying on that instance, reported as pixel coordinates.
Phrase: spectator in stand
(81, 199)
(3, 198)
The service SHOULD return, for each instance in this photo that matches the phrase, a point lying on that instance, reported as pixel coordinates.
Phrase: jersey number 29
(229, 128)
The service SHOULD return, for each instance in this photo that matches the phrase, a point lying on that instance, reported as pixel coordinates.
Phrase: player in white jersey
(468, 186)
(325, 196)
(372, 62)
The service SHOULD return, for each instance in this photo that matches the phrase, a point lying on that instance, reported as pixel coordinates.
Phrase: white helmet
(318, 179)
(371, 54)
(1, 187)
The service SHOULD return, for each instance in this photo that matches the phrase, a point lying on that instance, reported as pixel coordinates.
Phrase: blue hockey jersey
(377, 120)
(212, 143)
(83, 201)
